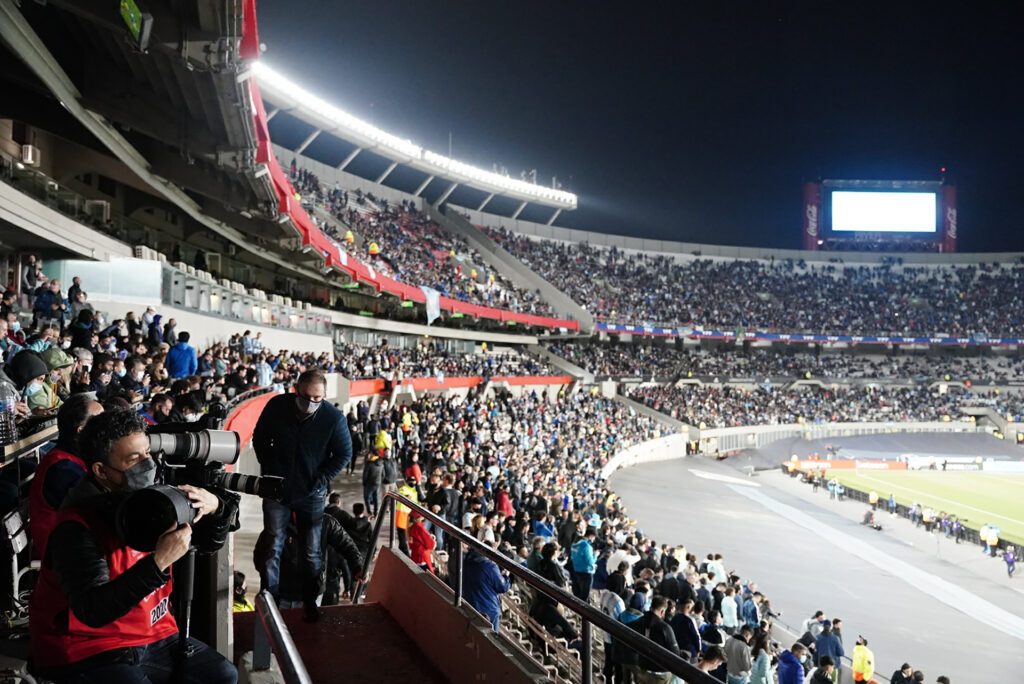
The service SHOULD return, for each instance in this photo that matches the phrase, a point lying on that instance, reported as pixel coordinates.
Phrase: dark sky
(682, 120)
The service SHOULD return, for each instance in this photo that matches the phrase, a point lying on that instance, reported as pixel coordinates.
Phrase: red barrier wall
(243, 419)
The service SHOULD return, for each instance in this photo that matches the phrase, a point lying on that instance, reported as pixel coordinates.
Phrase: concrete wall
(459, 642)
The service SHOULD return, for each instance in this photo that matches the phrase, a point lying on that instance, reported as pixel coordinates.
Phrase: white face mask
(193, 417)
(139, 376)
(306, 406)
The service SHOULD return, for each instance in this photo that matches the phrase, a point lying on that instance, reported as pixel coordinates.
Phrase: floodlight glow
(884, 212)
(403, 151)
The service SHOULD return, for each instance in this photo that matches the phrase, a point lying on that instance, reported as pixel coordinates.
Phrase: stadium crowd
(722, 406)
(402, 243)
(430, 359)
(664, 361)
(786, 295)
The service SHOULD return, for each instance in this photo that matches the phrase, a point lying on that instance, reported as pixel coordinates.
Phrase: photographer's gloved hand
(203, 501)
(172, 545)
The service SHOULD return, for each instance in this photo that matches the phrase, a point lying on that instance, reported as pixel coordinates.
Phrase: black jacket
(359, 529)
(373, 473)
(669, 588)
(658, 631)
(81, 567)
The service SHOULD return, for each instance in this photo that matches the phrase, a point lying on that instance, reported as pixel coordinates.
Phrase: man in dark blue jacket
(828, 644)
(305, 440)
(482, 582)
(685, 628)
(181, 358)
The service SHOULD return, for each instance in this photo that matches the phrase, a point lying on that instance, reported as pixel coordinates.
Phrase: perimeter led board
(884, 212)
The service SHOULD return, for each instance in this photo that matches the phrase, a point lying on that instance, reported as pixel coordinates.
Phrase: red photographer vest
(42, 517)
(59, 638)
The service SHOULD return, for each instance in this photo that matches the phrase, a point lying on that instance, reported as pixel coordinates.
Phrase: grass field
(996, 498)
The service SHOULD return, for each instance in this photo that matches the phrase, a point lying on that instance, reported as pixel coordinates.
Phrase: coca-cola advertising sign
(811, 214)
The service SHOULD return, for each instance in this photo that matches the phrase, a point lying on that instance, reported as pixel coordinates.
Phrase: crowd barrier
(727, 440)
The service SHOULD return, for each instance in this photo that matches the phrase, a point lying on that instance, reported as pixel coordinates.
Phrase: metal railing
(271, 633)
(590, 616)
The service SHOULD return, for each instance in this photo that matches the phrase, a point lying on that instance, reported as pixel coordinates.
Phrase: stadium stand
(637, 288)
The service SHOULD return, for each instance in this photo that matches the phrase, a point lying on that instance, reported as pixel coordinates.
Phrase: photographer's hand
(172, 545)
(203, 501)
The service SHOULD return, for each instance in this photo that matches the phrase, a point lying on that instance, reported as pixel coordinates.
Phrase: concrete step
(349, 643)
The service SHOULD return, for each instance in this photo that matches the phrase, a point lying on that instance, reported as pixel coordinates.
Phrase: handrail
(272, 632)
(590, 616)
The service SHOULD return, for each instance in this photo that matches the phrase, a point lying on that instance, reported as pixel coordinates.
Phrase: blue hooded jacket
(790, 670)
(482, 583)
(583, 557)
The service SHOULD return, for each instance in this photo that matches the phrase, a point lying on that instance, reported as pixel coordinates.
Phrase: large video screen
(883, 212)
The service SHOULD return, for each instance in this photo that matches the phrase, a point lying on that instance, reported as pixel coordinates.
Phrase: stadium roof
(324, 117)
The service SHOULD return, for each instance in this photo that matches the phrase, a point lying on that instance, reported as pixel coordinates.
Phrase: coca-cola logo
(951, 222)
(812, 220)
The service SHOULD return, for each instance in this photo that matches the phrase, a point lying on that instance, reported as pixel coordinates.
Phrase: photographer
(100, 609)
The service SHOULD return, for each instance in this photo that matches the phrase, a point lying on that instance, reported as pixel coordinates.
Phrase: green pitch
(996, 498)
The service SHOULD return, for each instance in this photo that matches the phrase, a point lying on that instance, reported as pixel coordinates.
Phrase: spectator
(653, 626)
(825, 672)
(584, 562)
(181, 359)
(761, 670)
(828, 644)
(791, 664)
(421, 543)
(482, 584)
(241, 602)
(738, 654)
(904, 675)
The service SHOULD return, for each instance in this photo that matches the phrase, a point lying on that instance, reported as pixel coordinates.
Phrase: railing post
(588, 652)
(456, 548)
(391, 504)
(260, 646)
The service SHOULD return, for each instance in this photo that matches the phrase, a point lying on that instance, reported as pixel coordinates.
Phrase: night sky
(680, 120)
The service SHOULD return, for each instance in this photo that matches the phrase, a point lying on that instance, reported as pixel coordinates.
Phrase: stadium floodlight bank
(314, 110)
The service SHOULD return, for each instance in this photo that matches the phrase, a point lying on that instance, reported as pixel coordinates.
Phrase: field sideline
(996, 498)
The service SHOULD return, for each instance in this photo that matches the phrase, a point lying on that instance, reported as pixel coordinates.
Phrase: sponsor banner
(640, 330)
(851, 464)
(1003, 467)
(949, 217)
(812, 215)
(977, 340)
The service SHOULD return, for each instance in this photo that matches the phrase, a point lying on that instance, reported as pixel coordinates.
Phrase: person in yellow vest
(382, 442)
(406, 421)
(863, 661)
(374, 249)
(350, 237)
(409, 491)
(873, 500)
(241, 603)
(993, 540)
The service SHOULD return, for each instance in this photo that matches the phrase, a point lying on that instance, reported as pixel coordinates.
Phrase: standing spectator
(482, 583)
(791, 667)
(181, 359)
(49, 306)
(750, 613)
(1010, 556)
(904, 675)
(653, 626)
(828, 644)
(373, 475)
(684, 626)
(737, 650)
(761, 671)
(825, 672)
(76, 287)
(863, 661)
(171, 332)
(584, 563)
(304, 439)
(421, 542)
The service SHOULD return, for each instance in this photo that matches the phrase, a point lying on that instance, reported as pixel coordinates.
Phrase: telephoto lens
(266, 486)
(147, 513)
(205, 446)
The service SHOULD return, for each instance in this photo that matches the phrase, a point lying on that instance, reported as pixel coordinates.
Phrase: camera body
(188, 455)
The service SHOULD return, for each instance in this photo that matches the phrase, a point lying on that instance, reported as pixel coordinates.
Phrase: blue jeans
(371, 497)
(309, 518)
(736, 680)
(152, 663)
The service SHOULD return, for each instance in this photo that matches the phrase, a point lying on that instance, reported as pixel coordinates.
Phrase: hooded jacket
(583, 557)
(482, 583)
(791, 671)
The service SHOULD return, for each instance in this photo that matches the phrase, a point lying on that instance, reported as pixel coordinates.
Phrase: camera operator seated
(100, 611)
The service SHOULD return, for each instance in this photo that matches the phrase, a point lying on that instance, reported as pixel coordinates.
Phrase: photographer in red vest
(101, 610)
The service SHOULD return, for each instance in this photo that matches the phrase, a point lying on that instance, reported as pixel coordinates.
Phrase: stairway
(349, 643)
